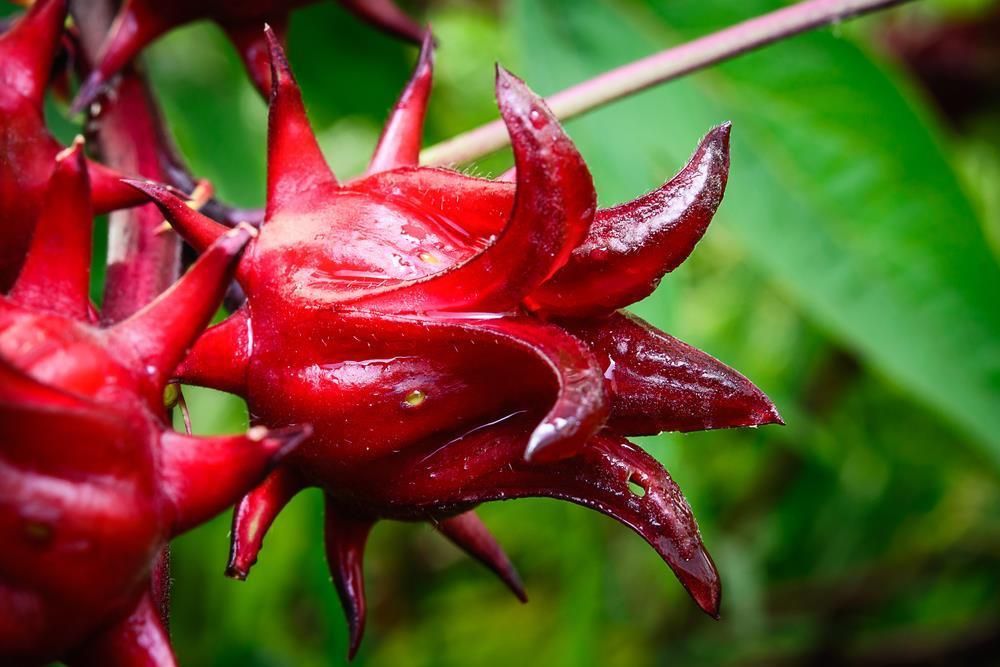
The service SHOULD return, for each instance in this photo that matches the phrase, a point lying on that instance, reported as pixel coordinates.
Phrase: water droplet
(537, 119)
(414, 399)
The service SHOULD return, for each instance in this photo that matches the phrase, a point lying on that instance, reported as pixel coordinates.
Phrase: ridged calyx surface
(455, 340)
(27, 149)
(141, 22)
(93, 482)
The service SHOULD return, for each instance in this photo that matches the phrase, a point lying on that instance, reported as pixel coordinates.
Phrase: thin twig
(661, 67)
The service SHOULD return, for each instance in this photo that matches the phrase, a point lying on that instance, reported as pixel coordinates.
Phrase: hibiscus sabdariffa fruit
(455, 340)
(93, 482)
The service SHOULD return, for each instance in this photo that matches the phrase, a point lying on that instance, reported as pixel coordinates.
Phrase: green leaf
(840, 190)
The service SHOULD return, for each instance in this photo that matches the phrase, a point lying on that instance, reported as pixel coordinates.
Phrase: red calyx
(141, 22)
(27, 150)
(456, 340)
(93, 482)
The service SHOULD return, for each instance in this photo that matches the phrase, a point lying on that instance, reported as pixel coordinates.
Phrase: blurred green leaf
(840, 189)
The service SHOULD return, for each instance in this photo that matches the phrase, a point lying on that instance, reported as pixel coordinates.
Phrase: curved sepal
(20, 389)
(581, 404)
(630, 247)
(486, 465)
(554, 205)
(253, 516)
(345, 539)
(658, 383)
(35, 417)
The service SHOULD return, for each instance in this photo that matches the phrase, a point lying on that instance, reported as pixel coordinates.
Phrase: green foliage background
(850, 273)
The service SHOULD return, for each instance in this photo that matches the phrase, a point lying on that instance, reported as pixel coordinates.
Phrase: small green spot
(414, 399)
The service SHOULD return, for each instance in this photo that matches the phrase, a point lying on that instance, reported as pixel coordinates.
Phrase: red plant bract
(93, 483)
(455, 340)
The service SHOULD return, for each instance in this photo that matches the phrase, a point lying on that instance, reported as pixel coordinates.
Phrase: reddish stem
(143, 260)
(661, 67)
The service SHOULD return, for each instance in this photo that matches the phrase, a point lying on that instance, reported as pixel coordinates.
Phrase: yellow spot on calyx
(414, 399)
(429, 258)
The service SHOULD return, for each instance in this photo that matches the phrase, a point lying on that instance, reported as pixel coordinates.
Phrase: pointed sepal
(197, 229)
(295, 162)
(251, 43)
(109, 191)
(468, 532)
(204, 475)
(399, 145)
(658, 383)
(56, 274)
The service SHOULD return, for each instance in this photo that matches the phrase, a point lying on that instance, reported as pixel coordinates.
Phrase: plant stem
(661, 67)
(143, 260)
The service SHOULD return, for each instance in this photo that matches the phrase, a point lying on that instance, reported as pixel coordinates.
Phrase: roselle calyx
(456, 340)
(141, 22)
(93, 481)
